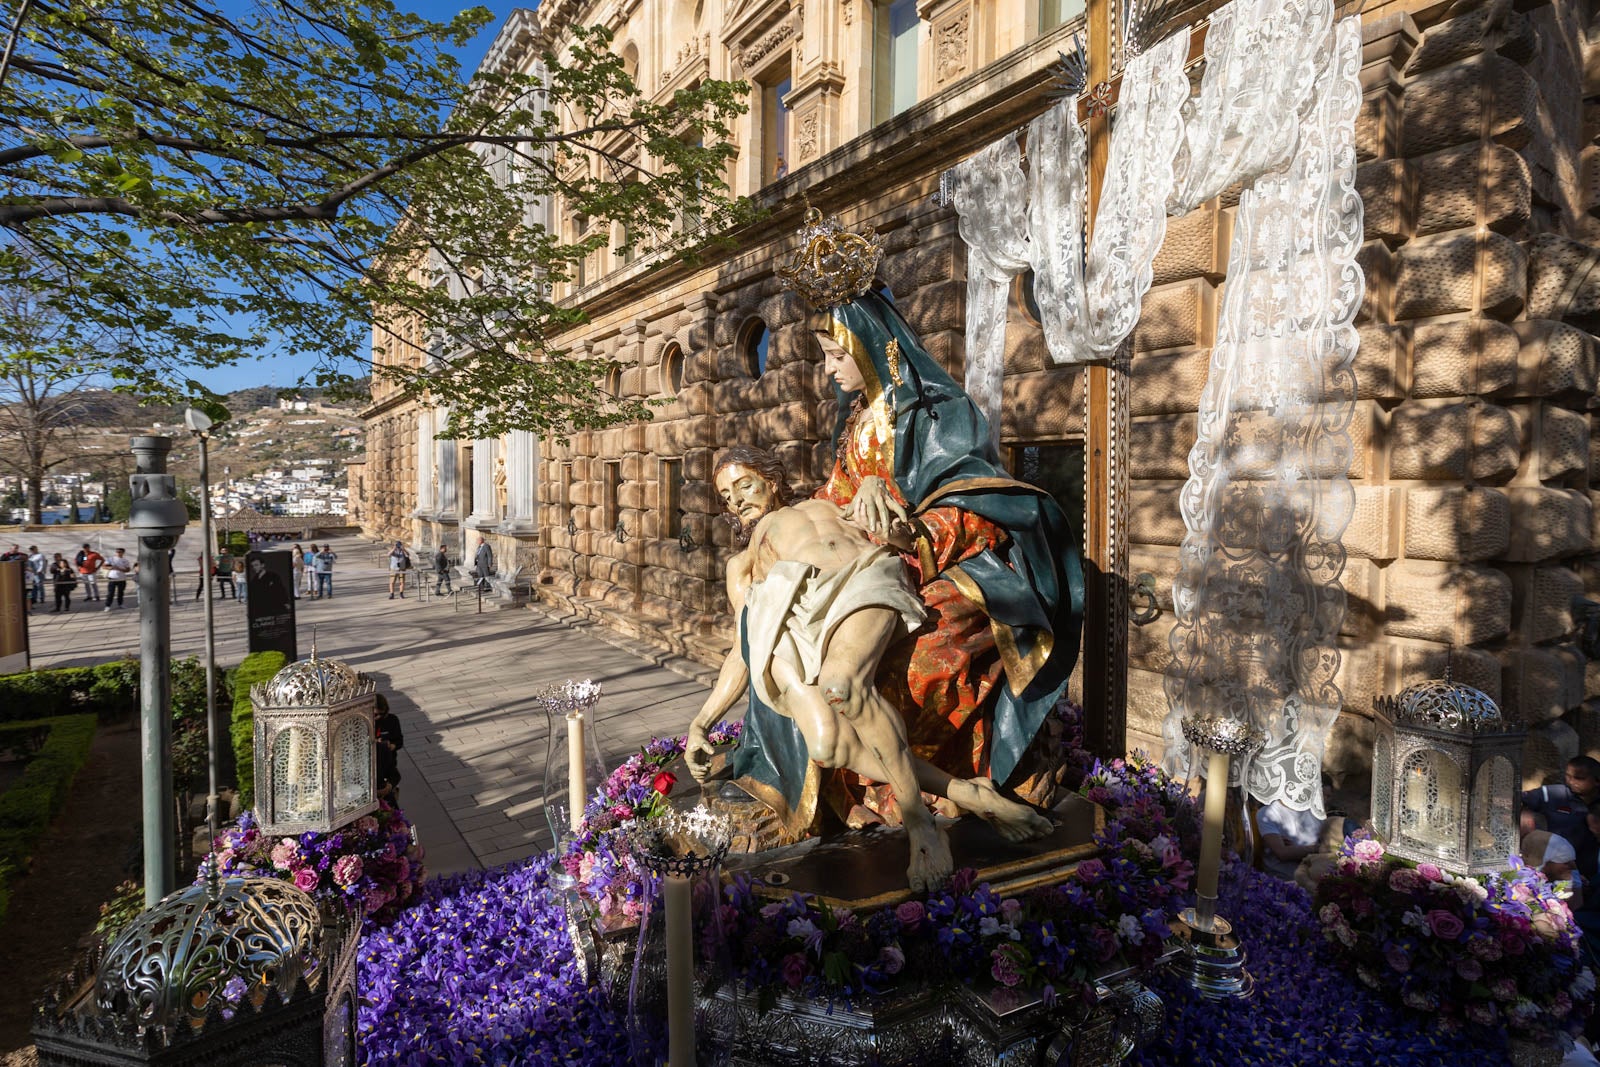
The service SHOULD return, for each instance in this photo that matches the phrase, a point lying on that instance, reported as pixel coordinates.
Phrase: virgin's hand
(697, 752)
(874, 508)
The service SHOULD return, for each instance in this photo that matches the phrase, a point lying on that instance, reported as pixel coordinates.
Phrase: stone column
(522, 478)
(425, 453)
(484, 506)
(449, 495)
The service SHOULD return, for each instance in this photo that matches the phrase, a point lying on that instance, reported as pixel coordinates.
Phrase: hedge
(33, 800)
(254, 668)
(108, 690)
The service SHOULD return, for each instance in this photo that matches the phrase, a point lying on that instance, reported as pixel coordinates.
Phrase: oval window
(757, 339)
(672, 369)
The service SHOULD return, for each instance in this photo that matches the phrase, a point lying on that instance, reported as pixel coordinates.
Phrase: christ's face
(745, 493)
(840, 365)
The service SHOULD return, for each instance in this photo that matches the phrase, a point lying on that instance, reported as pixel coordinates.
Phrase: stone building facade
(1473, 539)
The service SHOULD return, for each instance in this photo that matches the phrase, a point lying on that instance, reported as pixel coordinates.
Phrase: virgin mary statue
(993, 558)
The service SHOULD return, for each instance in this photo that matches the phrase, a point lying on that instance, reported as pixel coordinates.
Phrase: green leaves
(315, 178)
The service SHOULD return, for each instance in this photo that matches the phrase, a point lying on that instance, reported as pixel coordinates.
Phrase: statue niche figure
(818, 604)
(992, 560)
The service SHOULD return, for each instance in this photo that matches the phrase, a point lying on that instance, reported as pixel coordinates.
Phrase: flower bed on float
(479, 969)
(373, 862)
(1502, 952)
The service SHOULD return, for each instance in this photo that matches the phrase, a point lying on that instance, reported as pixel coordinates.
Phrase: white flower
(801, 928)
(988, 926)
(1130, 930)
(1414, 919)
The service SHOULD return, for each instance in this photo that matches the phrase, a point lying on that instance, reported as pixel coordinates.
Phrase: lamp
(1446, 768)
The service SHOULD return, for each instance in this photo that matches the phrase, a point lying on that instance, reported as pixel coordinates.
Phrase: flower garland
(1503, 952)
(372, 862)
(637, 790)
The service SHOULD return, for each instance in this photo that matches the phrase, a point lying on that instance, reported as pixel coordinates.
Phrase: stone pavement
(463, 683)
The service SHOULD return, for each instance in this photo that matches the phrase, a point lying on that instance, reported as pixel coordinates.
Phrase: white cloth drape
(1258, 599)
(988, 194)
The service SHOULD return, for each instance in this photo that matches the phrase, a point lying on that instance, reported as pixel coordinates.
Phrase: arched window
(630, 60)
(753, 342)
(613, 380)
(672, 369)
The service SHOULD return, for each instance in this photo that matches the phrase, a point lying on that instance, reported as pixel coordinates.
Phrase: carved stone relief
(953, 52)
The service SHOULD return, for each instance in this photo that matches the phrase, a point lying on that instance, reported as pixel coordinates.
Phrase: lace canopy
(1258, 600)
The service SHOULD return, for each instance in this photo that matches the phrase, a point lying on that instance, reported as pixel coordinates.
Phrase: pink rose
(1445, 925)
(1405, 880)
(347, 871)
(1469, 969)
(1430, 872)
(1091, 871)
(1368, 851)
(910, 914)
(1397, 958)
(305, 880)
(891, 959)
(794, 969)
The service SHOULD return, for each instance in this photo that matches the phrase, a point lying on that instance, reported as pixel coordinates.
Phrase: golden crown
(833, 264)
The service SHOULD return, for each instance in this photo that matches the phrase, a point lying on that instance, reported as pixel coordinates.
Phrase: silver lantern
(1446, 768)
(315, 754)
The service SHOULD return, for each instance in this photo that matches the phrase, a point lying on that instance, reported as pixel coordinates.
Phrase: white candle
(577, 788)
(1416, 796)
(680, 972)
(1211, 831)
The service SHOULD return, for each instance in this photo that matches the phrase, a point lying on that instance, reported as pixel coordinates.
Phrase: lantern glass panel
(1382, 776)
(1494, 823)
(1430, 802)
(352, 764)
(297, 774)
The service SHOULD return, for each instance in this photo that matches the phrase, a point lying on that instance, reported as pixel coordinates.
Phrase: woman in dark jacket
(65, 581)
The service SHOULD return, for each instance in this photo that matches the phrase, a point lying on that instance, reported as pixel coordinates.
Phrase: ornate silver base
(1212, 960)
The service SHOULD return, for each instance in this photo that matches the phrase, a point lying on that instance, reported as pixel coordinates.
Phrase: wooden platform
(867, 868)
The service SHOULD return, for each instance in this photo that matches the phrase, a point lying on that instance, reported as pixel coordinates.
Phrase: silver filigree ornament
(170, 966)
(572, 698)
(313, 683)
(681, 843)
(1444, 705)
(1219, 733)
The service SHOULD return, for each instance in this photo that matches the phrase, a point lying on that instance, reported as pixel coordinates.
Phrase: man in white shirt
(323, 565)
(118, 567)
(37, 565)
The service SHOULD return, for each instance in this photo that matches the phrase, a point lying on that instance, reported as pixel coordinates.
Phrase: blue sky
(283, 370)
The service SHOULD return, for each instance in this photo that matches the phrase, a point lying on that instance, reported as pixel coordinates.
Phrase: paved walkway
(464, 685)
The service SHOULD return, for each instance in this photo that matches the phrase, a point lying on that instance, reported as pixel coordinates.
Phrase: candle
(1416, 798)
(577, 788)
(680, 972)
(1211, 832)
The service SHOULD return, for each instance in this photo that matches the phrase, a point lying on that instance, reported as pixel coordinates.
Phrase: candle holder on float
(682, 853)
(573, 769)
(1213, 957)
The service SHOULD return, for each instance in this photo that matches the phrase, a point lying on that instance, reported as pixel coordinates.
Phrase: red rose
(664, 782)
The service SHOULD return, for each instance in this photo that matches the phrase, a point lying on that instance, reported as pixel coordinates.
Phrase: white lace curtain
(1275, 100)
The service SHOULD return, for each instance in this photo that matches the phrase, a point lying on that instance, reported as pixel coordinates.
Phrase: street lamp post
(199, 424)
(157, 517)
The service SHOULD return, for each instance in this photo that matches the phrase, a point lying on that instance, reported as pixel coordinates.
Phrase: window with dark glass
(757, 338)
(1057, 468)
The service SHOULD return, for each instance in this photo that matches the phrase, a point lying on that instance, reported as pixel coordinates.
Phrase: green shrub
(109, 691)
(27, 807)
(254, 668)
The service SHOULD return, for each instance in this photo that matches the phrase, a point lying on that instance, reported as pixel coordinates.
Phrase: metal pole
(158, 517)
(213, 729)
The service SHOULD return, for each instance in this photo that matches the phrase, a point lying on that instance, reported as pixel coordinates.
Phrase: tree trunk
(35, 484)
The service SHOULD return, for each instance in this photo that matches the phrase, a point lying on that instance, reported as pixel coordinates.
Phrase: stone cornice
(519, 34)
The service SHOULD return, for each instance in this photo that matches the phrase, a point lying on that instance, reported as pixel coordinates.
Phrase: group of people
(401, 564)
(313, 570)
(1561, 836)
(63, 576)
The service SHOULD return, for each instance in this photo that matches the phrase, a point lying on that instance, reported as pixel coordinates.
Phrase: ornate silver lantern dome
(312, 683)
(1446, 768)
(211, 946)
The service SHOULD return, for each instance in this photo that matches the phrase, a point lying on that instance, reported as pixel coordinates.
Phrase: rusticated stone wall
(1473, 530)
(390, 478)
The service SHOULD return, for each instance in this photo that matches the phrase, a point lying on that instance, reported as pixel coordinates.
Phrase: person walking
(309, 561)
(38, 567)
(65, 580)
(324, 571)
(441, 571)
(118, 567)
(483, 565)
(89, 562)
(399, 564)
(222, 570)
(297, 561)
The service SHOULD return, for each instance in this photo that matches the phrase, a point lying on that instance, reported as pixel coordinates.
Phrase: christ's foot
(931, 862)
(1014, 821)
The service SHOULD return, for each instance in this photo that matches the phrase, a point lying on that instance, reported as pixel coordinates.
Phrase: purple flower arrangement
(372, 862)
(1117, 906)
(1500, 953)
(637, 790)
